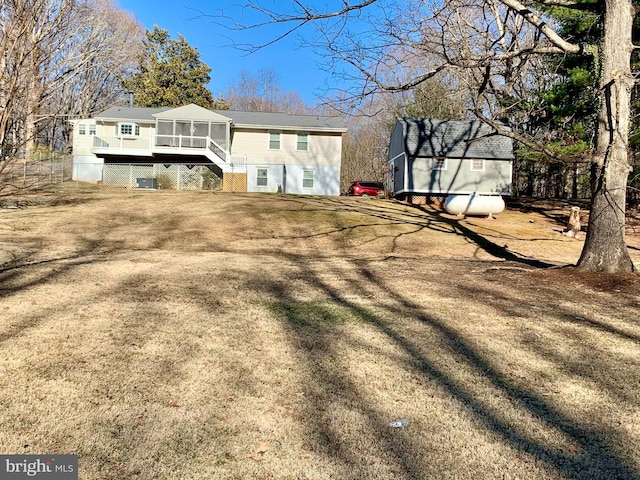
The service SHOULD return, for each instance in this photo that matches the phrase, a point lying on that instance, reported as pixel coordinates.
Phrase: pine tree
(170, 74)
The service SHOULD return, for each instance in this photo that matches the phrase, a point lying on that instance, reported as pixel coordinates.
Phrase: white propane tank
(474, 204)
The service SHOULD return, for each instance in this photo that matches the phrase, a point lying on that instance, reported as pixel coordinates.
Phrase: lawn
(162, 335)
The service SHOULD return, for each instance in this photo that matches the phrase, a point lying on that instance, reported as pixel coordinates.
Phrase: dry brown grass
(210, 336)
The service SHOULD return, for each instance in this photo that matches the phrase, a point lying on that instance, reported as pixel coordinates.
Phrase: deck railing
(239, 162)
(122, 143)
(180, 141)
(160, 142)
(217, 150)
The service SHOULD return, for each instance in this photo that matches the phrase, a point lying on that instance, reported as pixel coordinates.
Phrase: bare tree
(260, 92)
(493, 46)
(58, 58)
(365, 145)
(97, 84)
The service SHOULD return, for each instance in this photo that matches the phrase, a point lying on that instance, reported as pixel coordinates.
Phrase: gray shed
(448, 157)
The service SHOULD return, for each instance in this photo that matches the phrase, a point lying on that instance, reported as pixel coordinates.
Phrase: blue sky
(298, 68)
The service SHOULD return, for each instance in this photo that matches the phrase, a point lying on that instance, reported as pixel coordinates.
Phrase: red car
(365, 189)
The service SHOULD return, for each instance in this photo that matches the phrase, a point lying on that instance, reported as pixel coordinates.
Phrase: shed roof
(454, 139)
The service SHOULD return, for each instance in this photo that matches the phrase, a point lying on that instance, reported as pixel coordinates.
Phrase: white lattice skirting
(167, 177)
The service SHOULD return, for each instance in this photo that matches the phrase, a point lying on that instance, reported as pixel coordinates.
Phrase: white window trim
(313, 179)
(298, 135)
(435, 163)
(478, 160)
(279, 140)
(82, 129)
(266, 169)
(134, 127)
(92, 129)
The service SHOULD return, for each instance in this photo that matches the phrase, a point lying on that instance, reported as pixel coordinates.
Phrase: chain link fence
(34, 174)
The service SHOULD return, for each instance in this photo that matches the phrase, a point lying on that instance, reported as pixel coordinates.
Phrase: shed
(430, 157)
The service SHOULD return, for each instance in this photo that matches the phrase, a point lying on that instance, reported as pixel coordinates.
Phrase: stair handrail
(217, 150)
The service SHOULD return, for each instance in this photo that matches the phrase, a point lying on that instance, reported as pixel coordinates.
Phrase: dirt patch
(197, 335)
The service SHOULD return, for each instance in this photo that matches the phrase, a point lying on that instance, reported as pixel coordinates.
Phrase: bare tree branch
(595, 7)
(534, 19)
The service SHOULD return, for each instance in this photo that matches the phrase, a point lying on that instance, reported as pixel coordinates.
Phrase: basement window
(262, 177)
(307, 179)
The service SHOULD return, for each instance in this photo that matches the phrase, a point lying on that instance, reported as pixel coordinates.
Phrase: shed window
(262, 177)
(274, 140)
(477, 165)
(303, 142)
(439, 164)
(82, 129)
(307, 178)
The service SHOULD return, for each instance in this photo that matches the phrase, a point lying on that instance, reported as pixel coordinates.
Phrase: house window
(92, 129)
(128, 129)
(477, 165)
(303, 142)
(274, 140)
(307, 178)
(439, 164)
(262, 177)
(82, 129)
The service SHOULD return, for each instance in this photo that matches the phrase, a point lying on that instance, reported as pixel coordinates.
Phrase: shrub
(164, 182)
(210, 181)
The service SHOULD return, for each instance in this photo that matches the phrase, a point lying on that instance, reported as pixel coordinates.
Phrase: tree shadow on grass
(589, 455)
(131, 416)
(28, 271)
(384, 213)
(571, 338)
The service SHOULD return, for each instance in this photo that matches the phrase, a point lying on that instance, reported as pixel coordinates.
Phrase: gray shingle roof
(454, 139)
(131, 113)
(284, 120)
(240, 119)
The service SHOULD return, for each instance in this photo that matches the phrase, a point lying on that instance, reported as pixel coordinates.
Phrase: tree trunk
(605, 249)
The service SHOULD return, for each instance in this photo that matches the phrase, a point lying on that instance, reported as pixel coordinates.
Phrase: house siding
(82, 143)
(87, 168)
(254, 144)
(286, 165)
(107, 130)
(288, 179)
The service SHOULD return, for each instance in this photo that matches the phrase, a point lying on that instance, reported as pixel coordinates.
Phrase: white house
(188, 146)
